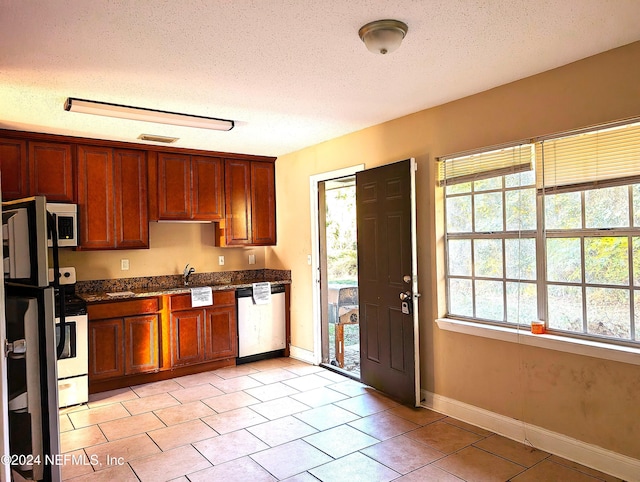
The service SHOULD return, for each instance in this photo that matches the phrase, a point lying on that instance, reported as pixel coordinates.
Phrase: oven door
(73, 365)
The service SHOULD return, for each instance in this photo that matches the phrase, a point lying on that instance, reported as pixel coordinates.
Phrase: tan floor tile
(327, 416)
(197, 392)
(319, 396)
(75, 464)
(281, 431)
(429, 473)
(169, 465)
(80, 438)
(547, 470)
(291, 458)
(420, 416)
(352, 468)
(384, 425)
(270, 364)
(133, 425)
(303, 477)
(243, 469)
(182, 434)
(236, 384)
(233, 420)
(279, 408)
(111, 396)
(512, 450)
(340, 441)
(73, 408)
(333, 376)
(121, 473)
(307, 382)
(189, 381)
(155, 388)
(237, 371)
(115, 453)
(443, 437)
(183, 413)
(230, 446)
(351, 388)
(180, 479)
(65, 423)
(583, 469)
(366, 404)
(467, 426)
(97, 415)
(402, 454)
(303, 369)
(273, 376)
(230, 401)
(150, 403)
(271, 391)
(474, 464)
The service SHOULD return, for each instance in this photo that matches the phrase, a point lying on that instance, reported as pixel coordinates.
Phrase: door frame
(314, 180)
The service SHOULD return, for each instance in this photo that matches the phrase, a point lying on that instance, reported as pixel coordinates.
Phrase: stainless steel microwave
(66, 223)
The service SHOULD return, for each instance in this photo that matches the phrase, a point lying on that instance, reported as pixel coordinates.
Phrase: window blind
(601, 158)
(474, 167)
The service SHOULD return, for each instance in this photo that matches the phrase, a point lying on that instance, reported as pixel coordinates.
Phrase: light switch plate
(221, 260)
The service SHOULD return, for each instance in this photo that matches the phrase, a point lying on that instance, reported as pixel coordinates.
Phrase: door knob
(405, 295)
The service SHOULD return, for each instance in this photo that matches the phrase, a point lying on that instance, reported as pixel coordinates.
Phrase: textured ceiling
(291, 73)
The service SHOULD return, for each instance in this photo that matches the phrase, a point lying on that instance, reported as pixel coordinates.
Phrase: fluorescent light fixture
(146, 115)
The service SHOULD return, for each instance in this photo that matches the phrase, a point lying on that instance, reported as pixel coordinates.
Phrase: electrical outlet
(252, 259)
(221, 260)
(124, 264)
(309, 259)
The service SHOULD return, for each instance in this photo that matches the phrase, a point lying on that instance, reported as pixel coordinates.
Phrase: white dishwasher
(261, 327)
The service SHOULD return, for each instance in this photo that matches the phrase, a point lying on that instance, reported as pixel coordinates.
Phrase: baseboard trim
(607, 461)
(302, 354)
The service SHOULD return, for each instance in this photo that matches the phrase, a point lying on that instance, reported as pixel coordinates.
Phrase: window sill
(623, 354)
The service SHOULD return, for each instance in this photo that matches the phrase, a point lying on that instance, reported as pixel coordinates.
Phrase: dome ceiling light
(383, 36)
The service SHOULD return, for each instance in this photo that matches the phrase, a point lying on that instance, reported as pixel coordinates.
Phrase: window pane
(459, 257)
(607, 208)
(488, 184)
(458, 188)
(636, 302)
(608, 312)
(636, 261)
(635, 192)
(521, 209)
(606, 260)
(460, 299)
(520, 256)
(488, 258)
(489, 300)
(459, 214)
(522, 303)
(563, 260)
(488, 212)
(563, 211)
(565, 307)
(527, 178)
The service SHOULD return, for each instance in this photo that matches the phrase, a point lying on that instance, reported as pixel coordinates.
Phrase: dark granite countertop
(97, 291)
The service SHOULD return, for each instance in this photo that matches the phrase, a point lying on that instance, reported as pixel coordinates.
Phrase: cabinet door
(186, 337)
(237, 188)
(174, 186)
(220, 333)
(208, 190)
(51, 171)
(131, 215)
(13, 167)
(106, 347)
(263, 203)
(95, 197)
(141, 344)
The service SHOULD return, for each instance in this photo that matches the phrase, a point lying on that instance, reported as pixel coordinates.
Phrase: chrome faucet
(186, 273)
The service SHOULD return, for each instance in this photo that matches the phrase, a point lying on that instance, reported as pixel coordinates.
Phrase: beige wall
(593, 400)
(172, 246)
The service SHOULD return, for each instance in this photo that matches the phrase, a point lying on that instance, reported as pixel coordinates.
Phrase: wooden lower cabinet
(186, 337)
(220, 333)
(141, 344)
(106, 349)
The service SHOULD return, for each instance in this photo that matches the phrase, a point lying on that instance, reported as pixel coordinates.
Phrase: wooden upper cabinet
(250, 203)
(51, 171)
(112, 198)
(13, 168)
(189, 187)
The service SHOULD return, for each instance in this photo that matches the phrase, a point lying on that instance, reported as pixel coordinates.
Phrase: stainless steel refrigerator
(28, 388)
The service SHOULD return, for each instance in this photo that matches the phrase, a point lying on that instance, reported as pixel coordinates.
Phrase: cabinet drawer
(220, 298)
(123, 308)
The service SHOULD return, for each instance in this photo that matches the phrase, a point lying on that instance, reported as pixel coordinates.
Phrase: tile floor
(282, 419)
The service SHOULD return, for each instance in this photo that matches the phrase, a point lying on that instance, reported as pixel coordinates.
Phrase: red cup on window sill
(537, 327)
